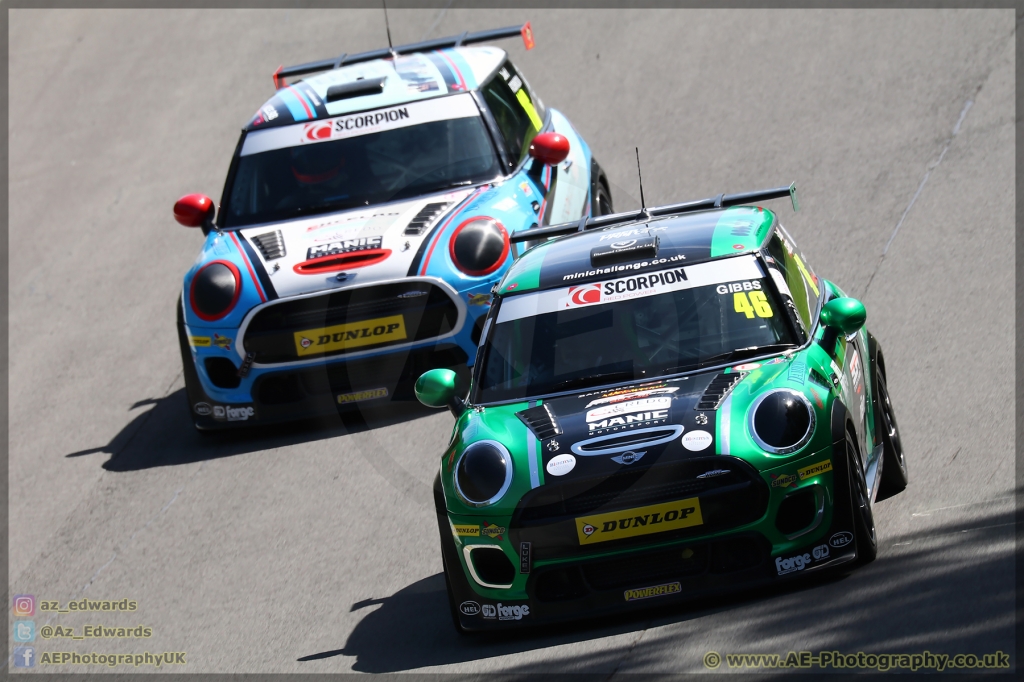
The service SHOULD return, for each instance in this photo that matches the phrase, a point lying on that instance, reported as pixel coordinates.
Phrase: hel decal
(628, 523)
(365, 123)
(633, 286)
(655, 591)
(352, 335)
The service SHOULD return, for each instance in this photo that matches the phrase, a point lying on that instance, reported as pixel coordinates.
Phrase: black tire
(863, 518)
(602, 201)
(894, 465)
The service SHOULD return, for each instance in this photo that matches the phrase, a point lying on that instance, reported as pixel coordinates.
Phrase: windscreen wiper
(580, 382)
(747, 352)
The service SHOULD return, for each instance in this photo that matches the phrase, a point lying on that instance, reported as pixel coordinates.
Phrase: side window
(802, 284)
(514, 110)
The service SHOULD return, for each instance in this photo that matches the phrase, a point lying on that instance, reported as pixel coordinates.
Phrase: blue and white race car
(365, 218)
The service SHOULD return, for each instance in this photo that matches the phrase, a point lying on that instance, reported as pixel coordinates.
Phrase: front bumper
(656, 573)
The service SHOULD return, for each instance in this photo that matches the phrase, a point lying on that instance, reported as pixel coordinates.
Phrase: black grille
(426, 310)
(270, 244)
(280, 388)
(539, 420)
(697, 566)
(717, 390)
(424, 218)
(665, 483)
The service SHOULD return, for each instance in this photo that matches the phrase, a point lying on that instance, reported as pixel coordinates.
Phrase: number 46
(757, 303)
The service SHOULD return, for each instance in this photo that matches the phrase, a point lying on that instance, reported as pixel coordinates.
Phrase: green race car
(667, 404)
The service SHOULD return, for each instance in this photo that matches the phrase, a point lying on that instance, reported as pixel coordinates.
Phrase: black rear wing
(721, 201)
(465, 38)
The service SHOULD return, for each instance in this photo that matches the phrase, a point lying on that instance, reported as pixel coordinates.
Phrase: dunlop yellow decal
(814, 469)
(656, 591)
(467, 531)
(199, 341)
(352, 335)
(628, 523)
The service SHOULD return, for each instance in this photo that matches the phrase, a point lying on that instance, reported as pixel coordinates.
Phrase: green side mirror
(845, 314)
(436, 388)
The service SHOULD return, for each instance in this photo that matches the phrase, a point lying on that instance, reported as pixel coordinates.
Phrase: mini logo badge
(840, 539)
(820, 552)
(628, 457)
(469, 608)
(202, 409)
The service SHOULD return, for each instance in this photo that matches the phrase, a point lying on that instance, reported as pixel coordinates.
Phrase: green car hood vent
(718, 389)
(539, 420)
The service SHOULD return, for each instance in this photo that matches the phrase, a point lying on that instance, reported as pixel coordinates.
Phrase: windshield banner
(363, 123)
(634, 286)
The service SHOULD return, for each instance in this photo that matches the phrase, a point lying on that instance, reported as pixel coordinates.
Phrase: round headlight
(483, 473)
(781, 421)
(479, 246)
(215, 290)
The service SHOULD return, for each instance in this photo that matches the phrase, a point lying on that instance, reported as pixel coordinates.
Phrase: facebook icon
(24, 657)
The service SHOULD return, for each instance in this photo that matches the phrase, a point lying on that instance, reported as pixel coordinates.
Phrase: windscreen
(360, 160)
(632, 328)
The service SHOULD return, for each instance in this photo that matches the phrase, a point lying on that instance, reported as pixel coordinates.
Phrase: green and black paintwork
(746, 531)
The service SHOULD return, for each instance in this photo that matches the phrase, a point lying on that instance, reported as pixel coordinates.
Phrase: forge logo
(586, 294)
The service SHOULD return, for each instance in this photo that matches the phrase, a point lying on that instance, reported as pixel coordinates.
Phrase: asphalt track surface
(313, 548)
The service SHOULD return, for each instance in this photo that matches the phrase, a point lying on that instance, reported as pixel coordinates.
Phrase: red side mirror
(549, 148)
(194, 210)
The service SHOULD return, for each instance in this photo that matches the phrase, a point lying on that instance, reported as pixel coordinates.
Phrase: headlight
(215, 290)
(483, 473)
(479, 246)
(781, 421)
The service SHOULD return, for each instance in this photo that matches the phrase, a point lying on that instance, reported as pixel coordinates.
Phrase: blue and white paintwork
(517, 201)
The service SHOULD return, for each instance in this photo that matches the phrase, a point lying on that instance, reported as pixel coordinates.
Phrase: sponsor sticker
(366, 123)
(469, 608)
(820, 552)
(203, 409)
(344, 246)
(512, 611)
(750, 285)
(465, 531)
(199, 341)
(492, 531)
(792, 564)
(616, 423)
(841, 539)
(479, 299)
(630, 393)
(560, 465)
(222, 341)
(655, 518)
(814, 469)
(488, 610)
(748, 367)
(629, 407)
(784, 480)
(698, 440)
(525, 188)
(351, 335)
(655, 591)
(672, 279)
(360, 396)
(234, 413)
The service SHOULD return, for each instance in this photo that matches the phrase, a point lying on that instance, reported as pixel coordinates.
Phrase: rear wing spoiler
(465, 38)
(721, 201)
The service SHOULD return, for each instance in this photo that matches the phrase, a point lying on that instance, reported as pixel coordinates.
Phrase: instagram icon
(24, 605)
